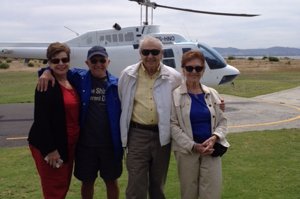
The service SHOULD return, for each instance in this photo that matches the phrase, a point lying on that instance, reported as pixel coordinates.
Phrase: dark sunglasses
(57, 60)
(190, 69)
(95, 61)
(147, 52)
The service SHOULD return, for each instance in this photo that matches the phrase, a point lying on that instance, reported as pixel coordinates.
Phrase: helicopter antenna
(153, 5)
(77, 34)
(146, 15)
(141, 13)
(151, 15)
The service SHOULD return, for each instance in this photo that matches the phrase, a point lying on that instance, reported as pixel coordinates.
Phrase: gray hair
(151, 39)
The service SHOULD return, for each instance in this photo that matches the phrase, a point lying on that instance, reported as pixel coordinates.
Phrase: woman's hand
(209, 145)
(202, 149)
(53, 159)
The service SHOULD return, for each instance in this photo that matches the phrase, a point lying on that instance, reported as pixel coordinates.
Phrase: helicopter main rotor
(153, 5)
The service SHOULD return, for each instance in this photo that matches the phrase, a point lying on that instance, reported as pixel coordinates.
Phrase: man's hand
(44, 80)
(222, 105)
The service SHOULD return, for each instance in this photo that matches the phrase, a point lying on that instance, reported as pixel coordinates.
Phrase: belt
(151, 127)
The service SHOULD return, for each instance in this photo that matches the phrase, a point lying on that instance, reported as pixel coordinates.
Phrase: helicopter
(122, 45)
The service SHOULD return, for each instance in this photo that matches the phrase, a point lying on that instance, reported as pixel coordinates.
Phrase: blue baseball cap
(97, 50)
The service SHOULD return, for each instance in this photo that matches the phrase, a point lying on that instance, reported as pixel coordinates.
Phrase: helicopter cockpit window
(108, 38)
(121, 38)
(168, 53)
(115, 38)
(129, 36)
(212, 57)
(184, 50)
(170, 62)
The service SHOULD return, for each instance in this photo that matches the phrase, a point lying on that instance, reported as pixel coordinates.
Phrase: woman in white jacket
(198, 129)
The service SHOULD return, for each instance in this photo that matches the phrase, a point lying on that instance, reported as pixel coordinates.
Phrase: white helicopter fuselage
(122, 47)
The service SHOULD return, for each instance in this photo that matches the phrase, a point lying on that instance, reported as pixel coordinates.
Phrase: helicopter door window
(89, 40)
(115, 38)
(184, 50)
(121, 38)
(108, 38)
(129, 36)
(170, 62)
(168, 53)
(101, 38)
(168, 58)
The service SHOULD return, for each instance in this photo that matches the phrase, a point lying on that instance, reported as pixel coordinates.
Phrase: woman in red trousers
(55, 130)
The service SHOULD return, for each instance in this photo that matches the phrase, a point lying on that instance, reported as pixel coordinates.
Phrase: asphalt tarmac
(267, 112)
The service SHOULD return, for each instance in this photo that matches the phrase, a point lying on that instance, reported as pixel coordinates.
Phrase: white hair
(152, 39)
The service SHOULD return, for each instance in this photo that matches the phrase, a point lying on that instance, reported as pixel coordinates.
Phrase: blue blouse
(200, 118)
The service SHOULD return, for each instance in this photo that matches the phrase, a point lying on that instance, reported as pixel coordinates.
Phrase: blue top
(200, 118)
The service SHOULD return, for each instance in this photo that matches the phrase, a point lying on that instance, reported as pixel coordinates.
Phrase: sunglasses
(57, 60)
(190, 69)
(147, 52)
(95, 61)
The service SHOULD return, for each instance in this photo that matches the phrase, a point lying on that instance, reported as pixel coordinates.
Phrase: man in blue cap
(99, 146)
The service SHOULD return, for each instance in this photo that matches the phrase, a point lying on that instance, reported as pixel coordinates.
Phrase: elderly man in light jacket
(145, 91)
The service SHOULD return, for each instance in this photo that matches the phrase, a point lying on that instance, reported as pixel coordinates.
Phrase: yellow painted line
(271, 123)
(266, 123)
(17, 138)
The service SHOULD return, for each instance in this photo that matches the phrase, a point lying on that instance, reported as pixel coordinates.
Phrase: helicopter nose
(232, 73)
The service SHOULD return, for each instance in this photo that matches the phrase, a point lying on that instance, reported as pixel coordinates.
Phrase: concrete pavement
(273, 111)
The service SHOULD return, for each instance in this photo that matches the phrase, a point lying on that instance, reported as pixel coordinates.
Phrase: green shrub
(264, 57)
(4, 65)
(273, 59)
(250, 58)
(231, 58)
(30, 64)
(8, 61)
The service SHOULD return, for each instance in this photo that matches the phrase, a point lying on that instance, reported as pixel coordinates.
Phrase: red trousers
(55, 181)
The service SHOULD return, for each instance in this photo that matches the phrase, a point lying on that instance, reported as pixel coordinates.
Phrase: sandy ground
(19, 65)
(256, 65)
(243, 65)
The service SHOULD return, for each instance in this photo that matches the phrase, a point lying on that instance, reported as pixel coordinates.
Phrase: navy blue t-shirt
(200, 118)
(96, 130)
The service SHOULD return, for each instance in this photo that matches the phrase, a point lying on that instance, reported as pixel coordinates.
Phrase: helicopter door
(168, 58)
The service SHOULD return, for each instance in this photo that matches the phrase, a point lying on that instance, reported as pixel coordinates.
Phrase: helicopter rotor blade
(206, 12)
(154, 5)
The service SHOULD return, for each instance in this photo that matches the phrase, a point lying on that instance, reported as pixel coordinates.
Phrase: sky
(45, 21)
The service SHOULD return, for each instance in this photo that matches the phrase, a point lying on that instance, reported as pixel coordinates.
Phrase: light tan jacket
(168, 80)
(181, 129)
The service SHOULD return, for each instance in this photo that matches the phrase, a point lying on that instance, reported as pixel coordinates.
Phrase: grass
(251, 84)
(261, 165)
(17, 87)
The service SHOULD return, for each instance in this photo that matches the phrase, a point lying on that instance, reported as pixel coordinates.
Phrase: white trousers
(200, 176)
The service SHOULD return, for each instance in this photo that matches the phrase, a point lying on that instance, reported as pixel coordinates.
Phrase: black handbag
(219, 150)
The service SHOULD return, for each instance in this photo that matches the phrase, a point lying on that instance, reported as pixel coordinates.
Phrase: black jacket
(48, 131)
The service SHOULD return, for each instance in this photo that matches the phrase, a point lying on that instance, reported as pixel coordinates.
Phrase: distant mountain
(274, 51)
